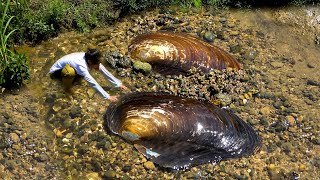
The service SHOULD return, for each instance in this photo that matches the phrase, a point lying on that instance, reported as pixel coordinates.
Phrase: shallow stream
(48, 134)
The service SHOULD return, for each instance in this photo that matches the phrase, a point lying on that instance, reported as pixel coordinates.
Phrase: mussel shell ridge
(177, 132)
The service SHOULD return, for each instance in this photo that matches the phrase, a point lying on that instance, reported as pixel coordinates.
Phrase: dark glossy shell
(178, 132)
(180, 51)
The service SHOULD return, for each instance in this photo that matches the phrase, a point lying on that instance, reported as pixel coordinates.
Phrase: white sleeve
(94, 84)
(109, 76)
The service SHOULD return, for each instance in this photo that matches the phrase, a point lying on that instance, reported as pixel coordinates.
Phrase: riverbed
(48, 134)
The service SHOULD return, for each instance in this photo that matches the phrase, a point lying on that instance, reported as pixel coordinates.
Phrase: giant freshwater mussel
(179, 52)
(174, 131)
(179, 132)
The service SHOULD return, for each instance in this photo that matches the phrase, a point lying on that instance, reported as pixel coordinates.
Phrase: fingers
(123, 87)
(113, 98)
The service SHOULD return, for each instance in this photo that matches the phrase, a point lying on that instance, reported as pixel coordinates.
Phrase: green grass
(14, 69)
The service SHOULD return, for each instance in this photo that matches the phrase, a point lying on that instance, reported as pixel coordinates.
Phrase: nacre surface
(178, 132)
(180, 52)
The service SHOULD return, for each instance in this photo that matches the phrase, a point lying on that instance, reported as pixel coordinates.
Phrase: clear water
(287, 64)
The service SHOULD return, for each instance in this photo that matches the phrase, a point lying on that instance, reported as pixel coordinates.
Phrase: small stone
(75, 111)
(110, 174)
(93, 176)
(276, 64)
(208, 36)
(223, 98)
(16, 147)
(223, 20)
(291, 120)
(65, 140)
(244, 101)
(2, 168)
(250, 55)
(14, 137)
(58, 133)
(315, 140)
(69, 135)
(42, 157)
(253, 121)
(56, 108)
(235, 48)
(220, 34)
(316, 162)
(67, 150)
(126, 168)
(91, 92)
(142, 67)
(311, 65)
(149, 165)
(271, 167)
(67, 123)
(234, 33)
(287, 147)
(302, 167)
(265, 111)
(313, 83)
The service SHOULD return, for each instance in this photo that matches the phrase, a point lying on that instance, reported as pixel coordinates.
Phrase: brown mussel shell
(177, 132)
(180, 52)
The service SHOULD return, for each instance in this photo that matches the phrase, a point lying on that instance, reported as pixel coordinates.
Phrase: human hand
(113, 98)
(123, 87)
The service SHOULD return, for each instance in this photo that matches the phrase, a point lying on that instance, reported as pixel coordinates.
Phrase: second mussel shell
(177, 132)
(172, 53)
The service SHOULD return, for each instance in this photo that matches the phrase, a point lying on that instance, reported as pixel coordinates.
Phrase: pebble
(315, 140)
(265, 111)
(235, 48)
(110, 174)
(142, 67)
(276, 64)
(1, 168)
(14, 137)
(291, 120)
(93, 176)
(302, 167)
(271, 167)
(223, 20)
(209, 36)
(234, 33)
(16, 147)
(223, 98)
(126, 168)
(313, 83)
(65, 140)
(311, 65)
(91, 92)
(250, 55)
(149, 165)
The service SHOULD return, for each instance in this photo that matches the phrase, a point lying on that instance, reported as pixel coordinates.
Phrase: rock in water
(177, 132)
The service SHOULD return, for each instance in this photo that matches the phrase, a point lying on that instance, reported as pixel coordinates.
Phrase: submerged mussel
(178, 132)
(179, 52)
